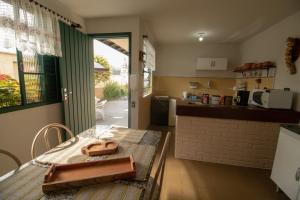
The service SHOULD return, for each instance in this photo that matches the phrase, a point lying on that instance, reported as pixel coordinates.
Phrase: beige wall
(145, 112)
(18, 128)
(174, 86)
(180, 59)
(270, 45)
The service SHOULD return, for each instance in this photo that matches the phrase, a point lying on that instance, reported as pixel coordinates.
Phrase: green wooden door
(77, 79)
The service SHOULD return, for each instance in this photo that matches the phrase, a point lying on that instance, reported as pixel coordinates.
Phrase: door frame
(120, 35)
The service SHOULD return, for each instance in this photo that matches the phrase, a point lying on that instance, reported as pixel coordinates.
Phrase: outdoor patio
(115, 113)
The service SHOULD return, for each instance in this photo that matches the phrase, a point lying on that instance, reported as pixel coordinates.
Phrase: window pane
(146, 84)
(33, 88)
(6, 10)
(146, 76)
(32, 63)
(52, 86)
(147, 81)
(9, 80)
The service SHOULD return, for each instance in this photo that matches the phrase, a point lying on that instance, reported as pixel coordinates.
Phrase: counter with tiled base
(229, 134)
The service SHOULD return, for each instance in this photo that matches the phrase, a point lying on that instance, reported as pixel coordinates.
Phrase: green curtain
(77, 78)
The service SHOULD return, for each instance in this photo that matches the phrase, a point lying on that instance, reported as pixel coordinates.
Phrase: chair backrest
(15, 158)
(160, 168)
(45, 131)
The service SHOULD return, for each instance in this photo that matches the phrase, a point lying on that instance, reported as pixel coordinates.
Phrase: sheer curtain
(149, 55)
(29, 28)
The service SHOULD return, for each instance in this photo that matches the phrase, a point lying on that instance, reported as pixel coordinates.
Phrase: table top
(26, 182)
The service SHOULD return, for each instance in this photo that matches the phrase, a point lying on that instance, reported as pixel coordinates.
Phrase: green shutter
(77, 77)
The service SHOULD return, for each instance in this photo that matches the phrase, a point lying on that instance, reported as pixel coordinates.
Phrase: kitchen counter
(251, 113)
(234, 135)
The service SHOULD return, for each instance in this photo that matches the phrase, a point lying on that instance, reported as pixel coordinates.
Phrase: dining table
(26, 181)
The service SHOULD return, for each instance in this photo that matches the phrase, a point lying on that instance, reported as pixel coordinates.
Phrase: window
(27, 81)
(147, 81)
(149, 66)
(28, 76)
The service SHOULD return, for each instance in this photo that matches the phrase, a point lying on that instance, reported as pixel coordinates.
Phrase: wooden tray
(100, 148)
(63, 176)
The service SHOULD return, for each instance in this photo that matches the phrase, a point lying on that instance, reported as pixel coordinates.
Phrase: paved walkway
(115, 113)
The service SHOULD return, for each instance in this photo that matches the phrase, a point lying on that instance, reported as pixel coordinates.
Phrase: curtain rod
(73, 24)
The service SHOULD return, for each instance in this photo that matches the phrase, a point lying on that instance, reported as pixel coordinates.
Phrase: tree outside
(9, 91)
(102, 76)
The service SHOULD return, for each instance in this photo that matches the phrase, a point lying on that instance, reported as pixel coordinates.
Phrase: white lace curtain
(149, 54)
(29, 28)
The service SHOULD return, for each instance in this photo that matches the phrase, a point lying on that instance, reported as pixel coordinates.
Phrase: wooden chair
(45, 131)
(15, 158)
(154, 187)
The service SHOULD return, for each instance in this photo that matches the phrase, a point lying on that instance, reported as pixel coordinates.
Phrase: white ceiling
(179, 21)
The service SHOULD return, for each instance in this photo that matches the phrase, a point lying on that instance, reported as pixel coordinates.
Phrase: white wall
(271, 45)
(118, 25)
(18, 128)
(180, 59)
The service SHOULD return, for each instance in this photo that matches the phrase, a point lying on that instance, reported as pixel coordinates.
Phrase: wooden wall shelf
(253, 69)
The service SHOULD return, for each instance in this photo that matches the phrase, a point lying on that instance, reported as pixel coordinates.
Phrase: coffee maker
(242, 97)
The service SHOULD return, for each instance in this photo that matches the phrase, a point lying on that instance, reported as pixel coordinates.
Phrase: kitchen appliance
(215, 99)
(273, 98)
(242, 97)
(228, 100)
(160, 110)
(185, 94)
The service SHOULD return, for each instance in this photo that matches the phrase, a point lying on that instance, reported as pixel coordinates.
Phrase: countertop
(251, 113)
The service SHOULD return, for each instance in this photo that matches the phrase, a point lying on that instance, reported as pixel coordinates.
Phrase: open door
(77, 79)
(111, 74)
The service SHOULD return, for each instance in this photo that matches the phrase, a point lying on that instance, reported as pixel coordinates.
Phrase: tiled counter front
(226, 141)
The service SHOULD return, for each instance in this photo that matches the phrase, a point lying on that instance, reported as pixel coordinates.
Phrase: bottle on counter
(205, 98)
(222, 100)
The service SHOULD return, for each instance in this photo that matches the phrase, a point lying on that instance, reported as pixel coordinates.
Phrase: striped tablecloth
(66, 153)
(26, 183)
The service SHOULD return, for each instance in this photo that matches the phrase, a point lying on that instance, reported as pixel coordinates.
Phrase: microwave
(273, 98)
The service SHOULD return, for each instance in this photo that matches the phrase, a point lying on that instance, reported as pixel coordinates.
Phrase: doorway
(111, 74)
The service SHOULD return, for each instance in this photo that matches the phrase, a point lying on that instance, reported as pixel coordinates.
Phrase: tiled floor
(186, 179)
(115, 113)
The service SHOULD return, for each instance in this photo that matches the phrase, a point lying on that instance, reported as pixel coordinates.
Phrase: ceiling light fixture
(201, 37)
